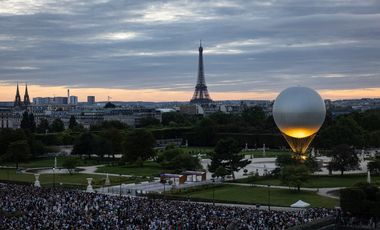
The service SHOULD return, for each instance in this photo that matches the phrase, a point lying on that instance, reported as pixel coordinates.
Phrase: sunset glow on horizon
(7, 93)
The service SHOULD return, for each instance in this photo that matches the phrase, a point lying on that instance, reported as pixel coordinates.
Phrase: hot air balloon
(299, 112)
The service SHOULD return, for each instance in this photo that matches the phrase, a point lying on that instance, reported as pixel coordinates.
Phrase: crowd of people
(49, 208)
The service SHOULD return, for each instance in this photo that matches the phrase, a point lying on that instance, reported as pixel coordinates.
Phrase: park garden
(224, 139)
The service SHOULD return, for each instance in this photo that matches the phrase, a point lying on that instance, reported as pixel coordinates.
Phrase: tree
(109, 105)
(185, 162)
(70, 163)
(343, 158)
(224, 118)
(43, 126)
(149, 121)
(25, 124)
(79, 128)
(298, 159)
(221, 172)
(118, 124)
(254, 116)
(226, 155)
(373, 166)
(104, 147)
(72, 122)
(84, 145)
(17, 152)
(205, 131)
(361, 199)
(115, 136)
(345, 131)
(175, 116)
(32, 123)
(295, 176)
(58, 125)
(67, 139)
(9, 135)
(371, 122)
(138, 143)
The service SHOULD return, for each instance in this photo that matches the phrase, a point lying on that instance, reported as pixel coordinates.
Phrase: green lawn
(76, 178)
(278, 197)
(322, 182)
(41, 162)
(150, 168)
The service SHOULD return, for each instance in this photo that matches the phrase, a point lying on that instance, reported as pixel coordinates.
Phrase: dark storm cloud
(249, 46)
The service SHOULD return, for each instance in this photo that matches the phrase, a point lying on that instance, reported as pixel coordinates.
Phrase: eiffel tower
(201, 94)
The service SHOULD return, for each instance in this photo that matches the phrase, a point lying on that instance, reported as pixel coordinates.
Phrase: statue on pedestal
(89, 187)
(37, 183)
(107, 181)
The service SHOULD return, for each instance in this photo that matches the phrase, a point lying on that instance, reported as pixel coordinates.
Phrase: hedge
(170, 133)
(272, 141)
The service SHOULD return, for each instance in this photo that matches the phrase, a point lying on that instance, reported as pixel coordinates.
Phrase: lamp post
(268, 196)
(164, 187)
(7, 174)
(213, 191)
(120, 183)
(53, 177)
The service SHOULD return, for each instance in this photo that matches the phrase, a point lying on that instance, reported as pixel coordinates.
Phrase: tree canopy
(85, 145)
(205, 130)
(361, 199)
(109, 105)
(58, 125)
(72, 122)
(43, 126)
(295, 175)
(115, 136)
(17, 152)
(9, 135)
(343, 158)
(226, 155)
(138, 143)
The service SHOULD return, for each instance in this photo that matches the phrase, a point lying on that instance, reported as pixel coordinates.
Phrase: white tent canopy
(300, 204)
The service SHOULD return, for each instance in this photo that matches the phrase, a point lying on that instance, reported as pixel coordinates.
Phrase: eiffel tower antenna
(201, 95)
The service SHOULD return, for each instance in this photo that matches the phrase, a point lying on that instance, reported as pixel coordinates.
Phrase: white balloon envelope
(299, 112)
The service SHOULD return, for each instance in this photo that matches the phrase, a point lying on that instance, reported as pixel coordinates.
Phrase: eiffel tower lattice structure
(201, 95)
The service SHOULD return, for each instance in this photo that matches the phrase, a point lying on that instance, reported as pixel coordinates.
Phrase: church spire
(17, 98)
(26, 96)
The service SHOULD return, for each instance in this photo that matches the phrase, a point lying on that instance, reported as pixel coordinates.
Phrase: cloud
(249, 46)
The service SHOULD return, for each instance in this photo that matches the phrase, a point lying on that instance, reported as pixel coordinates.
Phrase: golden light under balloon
(299, 112)
(299, 132)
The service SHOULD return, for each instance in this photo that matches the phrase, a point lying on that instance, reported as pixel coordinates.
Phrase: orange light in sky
(8, 92)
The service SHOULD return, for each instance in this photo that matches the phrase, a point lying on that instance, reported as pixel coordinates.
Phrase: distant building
(6, 118)
(73, 100)
(42, 100)
(90, 100)
(132, 117)
(190, 109)
(60, 100)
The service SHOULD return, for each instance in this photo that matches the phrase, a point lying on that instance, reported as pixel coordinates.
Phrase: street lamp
(213, 191)
(7, 174)
(164, 187)
(53, 177)
(268, 196)
(120, 183)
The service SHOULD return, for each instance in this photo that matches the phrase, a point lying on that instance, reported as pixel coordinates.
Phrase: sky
(148, 50)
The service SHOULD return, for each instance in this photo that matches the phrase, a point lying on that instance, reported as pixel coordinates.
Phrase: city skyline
(148, 51)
